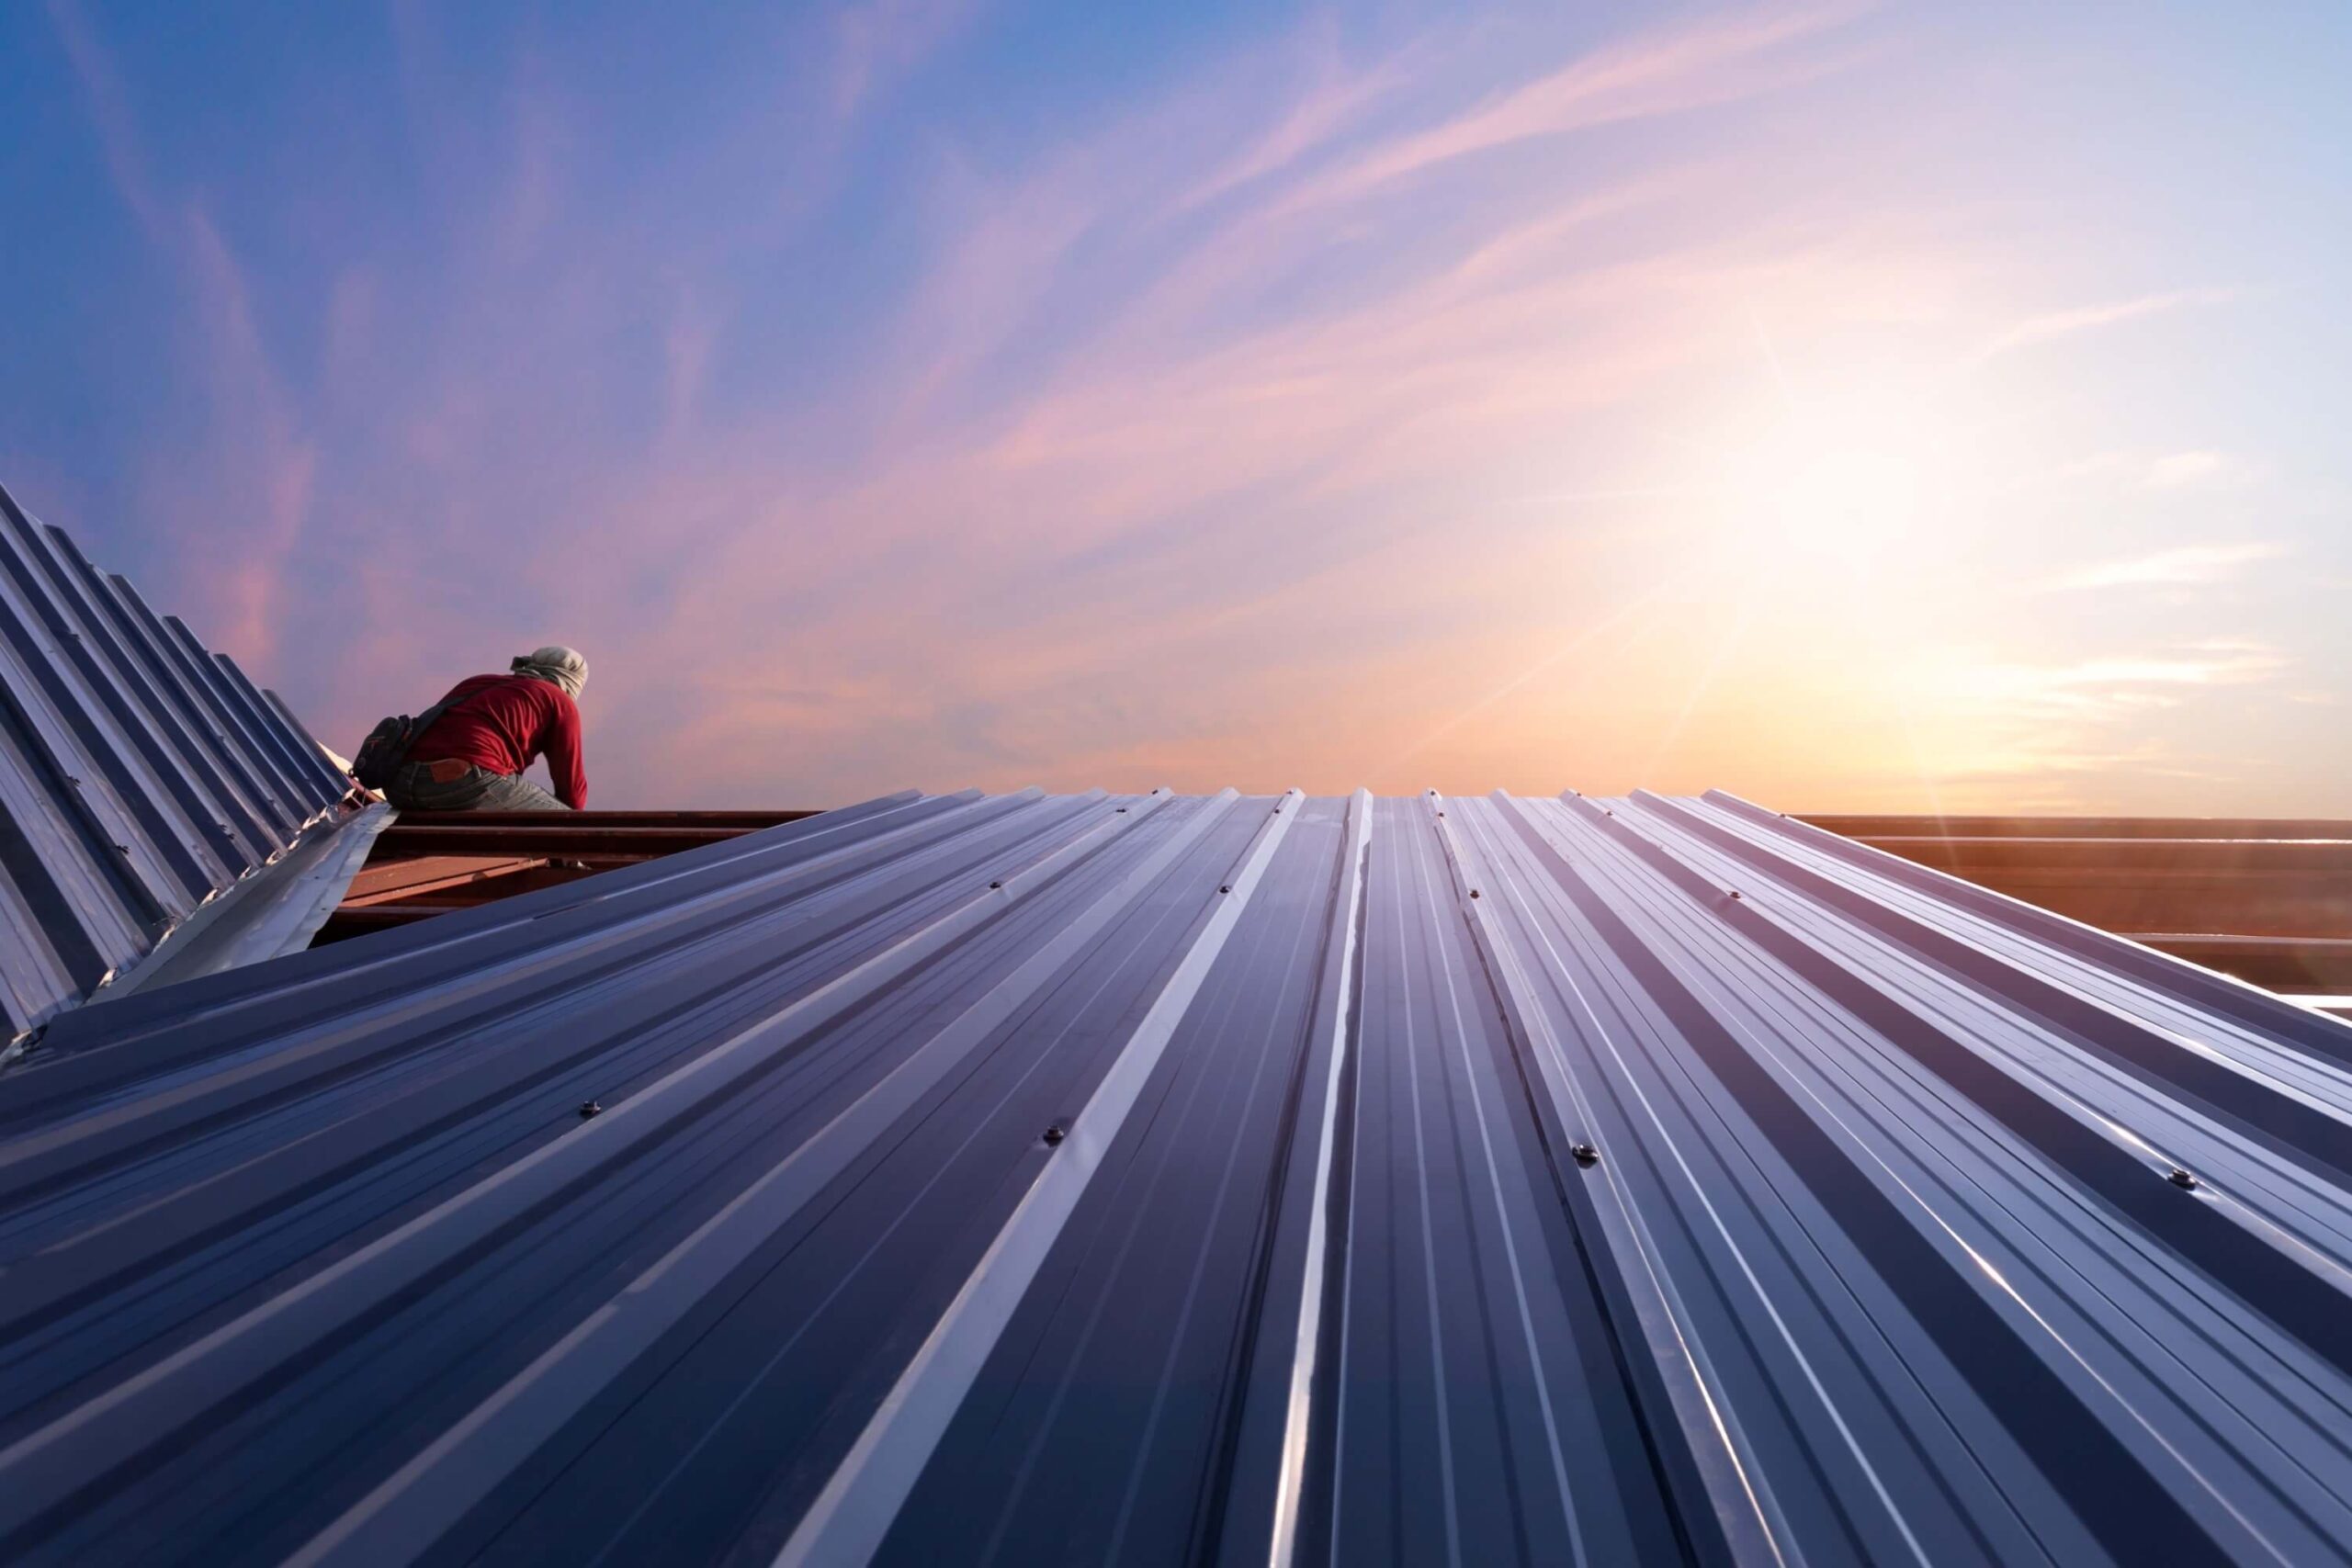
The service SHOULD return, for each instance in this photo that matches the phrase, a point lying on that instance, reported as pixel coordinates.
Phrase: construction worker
(488, 730)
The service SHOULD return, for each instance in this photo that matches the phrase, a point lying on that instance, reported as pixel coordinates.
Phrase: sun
(1836, 483)
(1847, 485)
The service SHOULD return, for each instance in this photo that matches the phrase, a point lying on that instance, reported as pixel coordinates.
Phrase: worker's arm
(564, 763)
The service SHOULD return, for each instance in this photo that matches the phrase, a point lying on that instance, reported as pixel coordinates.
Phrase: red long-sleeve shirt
(502, 722)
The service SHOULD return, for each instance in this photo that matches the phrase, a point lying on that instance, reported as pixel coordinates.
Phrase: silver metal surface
(272, 912)
(1156, 1178)
(140, 775)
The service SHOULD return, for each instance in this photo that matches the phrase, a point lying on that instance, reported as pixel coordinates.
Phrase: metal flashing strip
(1182, 1180)
(272, 911)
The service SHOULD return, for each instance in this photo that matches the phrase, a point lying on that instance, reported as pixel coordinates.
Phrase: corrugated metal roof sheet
(1160, 1179)
(139, 774)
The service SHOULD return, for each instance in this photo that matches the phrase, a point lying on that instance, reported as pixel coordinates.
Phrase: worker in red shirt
(490, 727)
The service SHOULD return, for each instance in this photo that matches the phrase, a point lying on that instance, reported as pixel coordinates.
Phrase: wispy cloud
(239, 503)
(1111, 476)
(2179, 468)
(1336, 95)
(1717, 60)
(2082, 734)
(111, 116)
(2052, 324)
(2110, 686)
(1179, 433)
(2184, 567)
(880, 40)
(2189, 470)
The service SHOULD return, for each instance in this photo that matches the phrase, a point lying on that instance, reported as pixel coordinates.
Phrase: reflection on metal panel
(139, 774)
(279, 911)
(1152, 1179)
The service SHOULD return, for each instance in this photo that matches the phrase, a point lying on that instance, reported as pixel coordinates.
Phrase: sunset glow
(1851, 407)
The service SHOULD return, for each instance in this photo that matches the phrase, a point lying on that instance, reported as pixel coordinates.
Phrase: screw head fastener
(2182, 1179)
(1585, 1154)
(1054, 1135)
(589, 1108)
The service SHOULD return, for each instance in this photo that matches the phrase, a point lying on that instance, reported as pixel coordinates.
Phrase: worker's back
(500, 723)
(489, 729)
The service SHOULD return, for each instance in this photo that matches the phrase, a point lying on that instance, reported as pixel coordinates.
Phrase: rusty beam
(551, 836)
(2265, 906)
(388, 880)
(352, 920)
(716, 820)
(2125, 857)
(2271, 886)
(1855, 824)
(2278, 964)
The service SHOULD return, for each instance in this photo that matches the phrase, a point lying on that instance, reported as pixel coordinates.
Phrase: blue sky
(1901, 406)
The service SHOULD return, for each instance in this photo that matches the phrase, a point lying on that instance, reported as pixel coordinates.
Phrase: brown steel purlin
(385, 882)
(2266, 900)
(426, 864)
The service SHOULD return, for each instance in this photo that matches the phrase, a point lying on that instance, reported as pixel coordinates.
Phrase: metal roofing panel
(1166, 1178)
(139, 774)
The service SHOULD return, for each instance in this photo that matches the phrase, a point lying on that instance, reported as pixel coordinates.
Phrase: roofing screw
(1585, 1154)
(996, 885)
(1474, 892)
(1734, 892)
(1122, 811)
(2182, 1179)
(124, 848)
(1225, 889)
(1054, 1136)
(589, 1108)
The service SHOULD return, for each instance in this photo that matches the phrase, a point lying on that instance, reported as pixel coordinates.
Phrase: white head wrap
(557, 665)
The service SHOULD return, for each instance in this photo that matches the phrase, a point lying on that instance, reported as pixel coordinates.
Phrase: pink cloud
(1714, 60)
(1164, 454)
(879, 40)
(237, 509)
(244, 527)
(958, 607)
(111, 115)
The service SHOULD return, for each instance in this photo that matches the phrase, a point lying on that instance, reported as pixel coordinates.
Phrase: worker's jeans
(478, 789)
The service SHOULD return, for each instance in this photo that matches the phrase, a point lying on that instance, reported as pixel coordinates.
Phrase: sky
(1924, 407)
